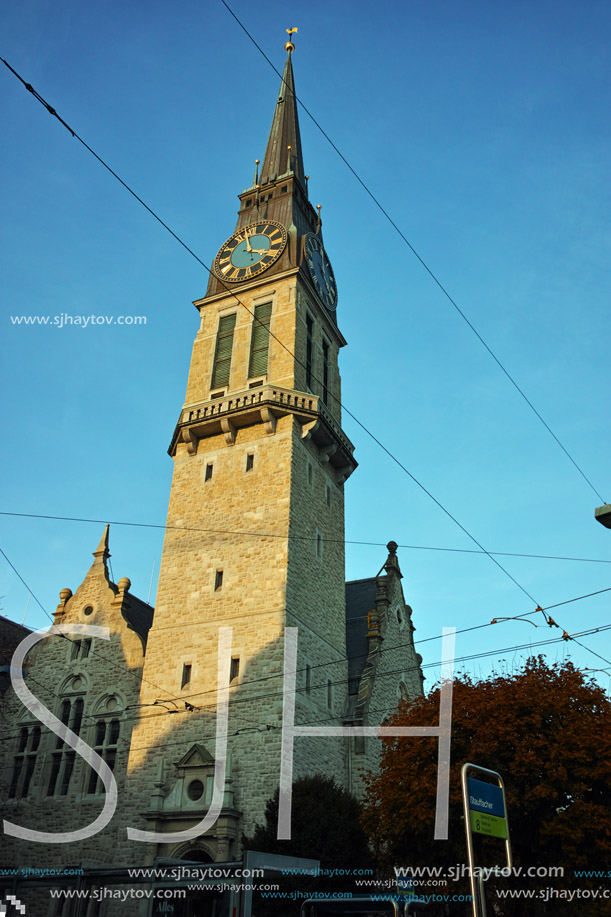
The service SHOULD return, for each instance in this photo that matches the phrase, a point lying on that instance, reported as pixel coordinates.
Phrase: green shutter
(222, 355)
(259, 345)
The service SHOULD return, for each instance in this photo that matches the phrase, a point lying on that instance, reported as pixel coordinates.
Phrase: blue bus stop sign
(486, 808)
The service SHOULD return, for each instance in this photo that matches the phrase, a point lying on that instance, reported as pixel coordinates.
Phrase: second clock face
(250, 251)
(321, 271)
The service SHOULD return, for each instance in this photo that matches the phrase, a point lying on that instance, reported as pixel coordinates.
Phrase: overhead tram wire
(342, 659)
(264, 535)
(328, 540)
(69, 639)
(472, 538)
(324, 685)
(548, 620)
(54, 113)
(565, 637)
(420, 259)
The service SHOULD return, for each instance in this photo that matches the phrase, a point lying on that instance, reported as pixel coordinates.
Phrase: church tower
(255, 537)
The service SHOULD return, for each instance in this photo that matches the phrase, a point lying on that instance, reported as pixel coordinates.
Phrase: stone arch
(196, 851)
(110, 704)
(76, 683)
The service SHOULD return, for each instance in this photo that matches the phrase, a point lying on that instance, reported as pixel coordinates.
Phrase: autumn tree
(546, 730)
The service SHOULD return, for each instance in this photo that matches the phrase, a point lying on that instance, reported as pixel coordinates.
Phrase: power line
(342, 659)
(53, 112)
(419, 258)
(338, 660)
(66, 637)
(293, 537)
(323, 686)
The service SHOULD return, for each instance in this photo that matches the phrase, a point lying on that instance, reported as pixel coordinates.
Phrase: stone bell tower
(255, 537)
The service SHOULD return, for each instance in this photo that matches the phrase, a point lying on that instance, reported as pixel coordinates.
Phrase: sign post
(485, 813)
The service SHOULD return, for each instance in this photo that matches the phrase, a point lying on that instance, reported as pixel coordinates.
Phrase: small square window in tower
(259, 342)
(222, 353)
(186, 675)
(234, 669)
(218, 580)
(250, 461)
(208, 475)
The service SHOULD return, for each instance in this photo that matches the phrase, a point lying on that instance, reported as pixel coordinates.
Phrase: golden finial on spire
(289, 46)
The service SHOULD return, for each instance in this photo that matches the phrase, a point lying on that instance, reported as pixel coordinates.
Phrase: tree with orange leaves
(546, 730)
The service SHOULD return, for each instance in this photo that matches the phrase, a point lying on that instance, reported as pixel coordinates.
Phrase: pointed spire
(102, 553)
(284, 131)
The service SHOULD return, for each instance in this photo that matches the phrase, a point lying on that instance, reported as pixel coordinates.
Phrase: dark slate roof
(139, 615)
(11, 635)
(360, 599)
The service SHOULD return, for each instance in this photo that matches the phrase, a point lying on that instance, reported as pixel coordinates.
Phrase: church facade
(253, 551)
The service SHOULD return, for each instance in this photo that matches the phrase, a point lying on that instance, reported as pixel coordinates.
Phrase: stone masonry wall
(107, 680)
(398, 674)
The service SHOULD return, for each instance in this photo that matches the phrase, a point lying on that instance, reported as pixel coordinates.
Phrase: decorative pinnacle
(289, 46)
(256, 179)
(102, 550)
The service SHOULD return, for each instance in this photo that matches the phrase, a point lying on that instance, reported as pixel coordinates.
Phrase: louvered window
(325, 372)
(222, 354)
(309, 335)
(259, 345)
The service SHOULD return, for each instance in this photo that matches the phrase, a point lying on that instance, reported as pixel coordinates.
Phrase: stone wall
(65, 672)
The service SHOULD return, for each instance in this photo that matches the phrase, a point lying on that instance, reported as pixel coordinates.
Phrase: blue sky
(481, 127)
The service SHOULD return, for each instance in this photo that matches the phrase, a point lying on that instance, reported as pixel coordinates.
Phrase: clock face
(250, 251)
(321, 270)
